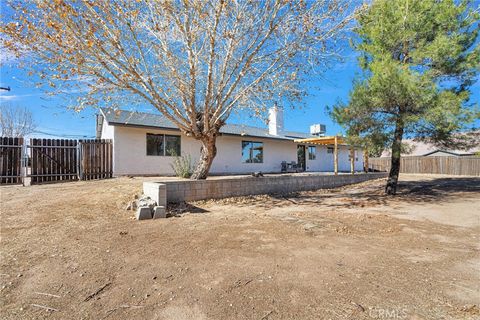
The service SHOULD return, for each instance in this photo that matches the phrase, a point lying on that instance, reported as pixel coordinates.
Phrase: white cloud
(12, 97)
(8, 97)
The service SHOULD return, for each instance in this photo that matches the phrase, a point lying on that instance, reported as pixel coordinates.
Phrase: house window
(155, 144)
(312, 153)
(163, 145)
(329, 150)
(172, 146)
(252, 152)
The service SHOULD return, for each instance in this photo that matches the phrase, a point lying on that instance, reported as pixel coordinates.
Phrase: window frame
(179, 145)
(252, 143)
(330, 150)
(164, 152)
(312, 155)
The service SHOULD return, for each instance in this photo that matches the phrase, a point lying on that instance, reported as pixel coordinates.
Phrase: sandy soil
(347, 253)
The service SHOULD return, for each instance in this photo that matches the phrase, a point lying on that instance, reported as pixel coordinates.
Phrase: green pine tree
(419, 58)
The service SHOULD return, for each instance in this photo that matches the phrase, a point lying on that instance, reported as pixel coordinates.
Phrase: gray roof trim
(148, 120)
(120, 124)
(255, 136)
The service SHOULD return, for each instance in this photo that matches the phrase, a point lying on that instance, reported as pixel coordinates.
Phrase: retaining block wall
(191, 190)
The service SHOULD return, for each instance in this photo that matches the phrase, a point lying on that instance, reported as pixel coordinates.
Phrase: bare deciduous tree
(15, 121)
(194, 61)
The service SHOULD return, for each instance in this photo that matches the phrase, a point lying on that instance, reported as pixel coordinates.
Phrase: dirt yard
(348, 253)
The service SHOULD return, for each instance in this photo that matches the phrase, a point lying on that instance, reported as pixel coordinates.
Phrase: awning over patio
(323, 140)
(335, 141)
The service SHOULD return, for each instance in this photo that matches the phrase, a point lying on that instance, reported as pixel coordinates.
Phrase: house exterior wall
(130, 156)
(324, 160)
(130, 152)
(229, 155)
(108, 131)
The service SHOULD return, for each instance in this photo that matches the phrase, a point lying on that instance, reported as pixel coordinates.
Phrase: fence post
(24, 163)
(79, 160)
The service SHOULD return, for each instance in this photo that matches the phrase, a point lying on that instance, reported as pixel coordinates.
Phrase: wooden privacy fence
(55, 160)
(468, 165)
(96, 157)
(11, 152)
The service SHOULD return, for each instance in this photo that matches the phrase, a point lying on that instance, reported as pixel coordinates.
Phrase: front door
(301, 157)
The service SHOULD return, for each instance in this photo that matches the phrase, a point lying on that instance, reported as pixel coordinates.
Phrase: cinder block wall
(190, 190)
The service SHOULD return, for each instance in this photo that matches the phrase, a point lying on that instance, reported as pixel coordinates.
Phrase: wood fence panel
(469, 165)
(96, 157)
(52, 159)
(11, 153)
(55, 160)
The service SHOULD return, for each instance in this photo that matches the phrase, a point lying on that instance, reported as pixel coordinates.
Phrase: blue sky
(53, 119)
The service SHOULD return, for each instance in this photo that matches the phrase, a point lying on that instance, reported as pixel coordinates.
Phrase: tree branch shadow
(371, 194)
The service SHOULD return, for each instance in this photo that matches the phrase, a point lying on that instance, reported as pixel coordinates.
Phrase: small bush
(182, 166)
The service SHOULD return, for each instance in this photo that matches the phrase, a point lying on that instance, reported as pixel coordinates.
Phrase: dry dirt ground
(348, 253)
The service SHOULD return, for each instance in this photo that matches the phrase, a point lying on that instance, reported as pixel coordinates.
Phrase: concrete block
(143, 213)
(156, 191)
(159, 212)
(172, 187)
(162, 197)
(178, 191)
(197, 185)
(174, 197)
(202, 193)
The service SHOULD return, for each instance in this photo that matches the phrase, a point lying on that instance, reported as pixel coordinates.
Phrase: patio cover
(335, 141)
(322, 140)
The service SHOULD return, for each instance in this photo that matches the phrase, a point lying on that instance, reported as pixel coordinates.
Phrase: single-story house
(146, 144)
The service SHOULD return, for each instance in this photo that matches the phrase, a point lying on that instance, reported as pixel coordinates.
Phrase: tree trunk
(392, 181)
(207, 154)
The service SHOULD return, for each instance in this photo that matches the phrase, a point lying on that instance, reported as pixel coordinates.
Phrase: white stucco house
(145, 144)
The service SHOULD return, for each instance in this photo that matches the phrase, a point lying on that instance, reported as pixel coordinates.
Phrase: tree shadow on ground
(178, 209)
(372, 194)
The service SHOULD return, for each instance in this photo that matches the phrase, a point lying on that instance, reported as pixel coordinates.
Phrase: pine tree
(419, 58)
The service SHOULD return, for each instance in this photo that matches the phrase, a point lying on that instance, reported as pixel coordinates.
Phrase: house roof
(418, 148)
(150, 120)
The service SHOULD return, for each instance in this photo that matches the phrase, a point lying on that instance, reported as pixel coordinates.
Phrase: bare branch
(194, 61)
(15, 121)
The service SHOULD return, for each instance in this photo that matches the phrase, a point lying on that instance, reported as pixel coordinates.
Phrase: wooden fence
(96, 157)
(11, 151)
(55, 160)
(434, 165)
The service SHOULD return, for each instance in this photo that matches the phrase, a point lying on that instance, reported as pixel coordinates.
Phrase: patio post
(335, 156)
(365, 160)
(352, 160)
